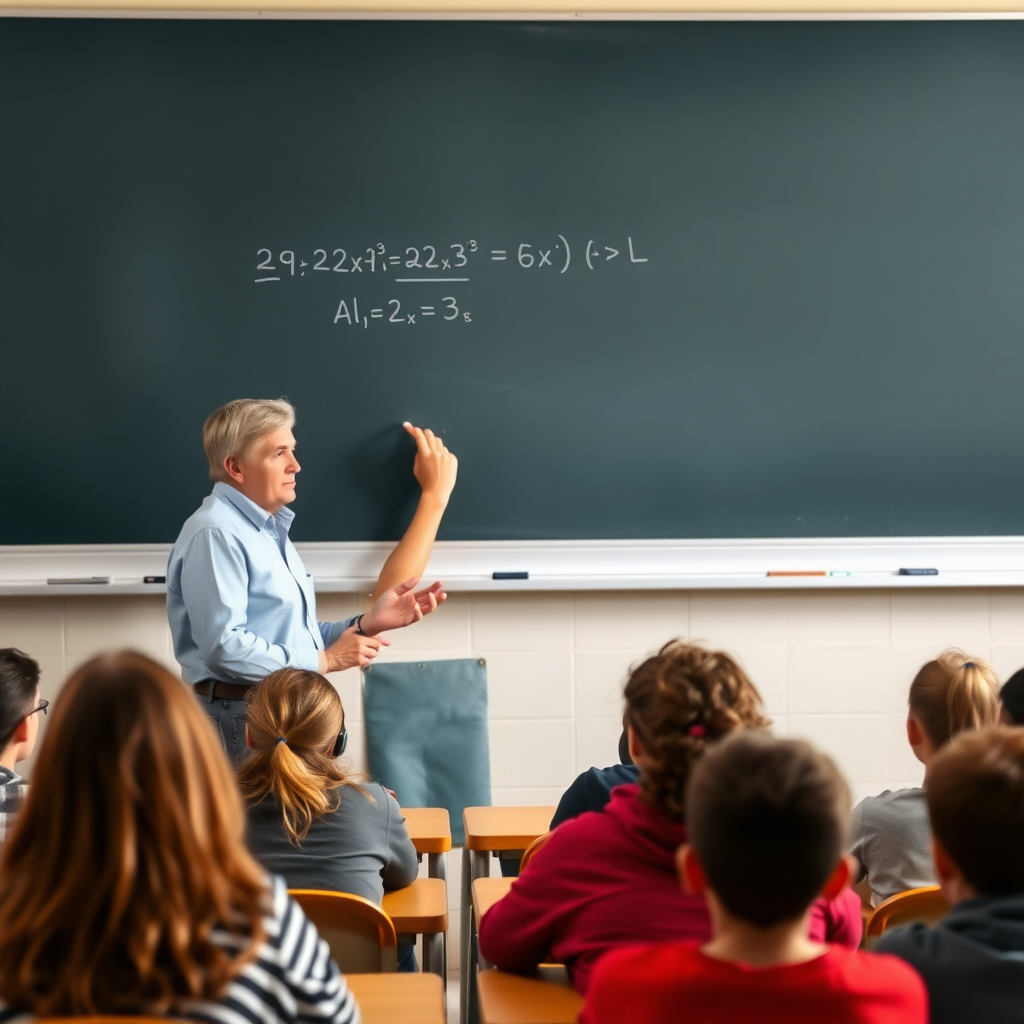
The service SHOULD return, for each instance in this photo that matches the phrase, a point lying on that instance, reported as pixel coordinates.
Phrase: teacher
(239, 600)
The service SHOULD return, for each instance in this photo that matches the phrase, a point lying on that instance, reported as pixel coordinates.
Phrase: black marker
(510, 575)
(154, 579)
(919, 572)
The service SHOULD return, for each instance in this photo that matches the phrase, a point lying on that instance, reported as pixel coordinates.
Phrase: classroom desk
(422, 909)
(398, 998)
(545, 996)
(487, 892)
(488, 830)
(430, 830)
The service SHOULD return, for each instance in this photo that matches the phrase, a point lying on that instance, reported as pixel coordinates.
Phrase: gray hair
(235, 428)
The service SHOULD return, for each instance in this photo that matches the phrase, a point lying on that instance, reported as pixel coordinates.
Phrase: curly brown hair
(679, 701)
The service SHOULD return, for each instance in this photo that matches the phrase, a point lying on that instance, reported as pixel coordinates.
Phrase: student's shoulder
(877, 974)
(890, 804)
(667, 962)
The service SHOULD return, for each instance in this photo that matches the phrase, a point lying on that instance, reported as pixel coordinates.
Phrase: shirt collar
(259, 516)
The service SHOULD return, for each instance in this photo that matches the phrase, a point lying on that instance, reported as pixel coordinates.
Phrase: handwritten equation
(435, 265)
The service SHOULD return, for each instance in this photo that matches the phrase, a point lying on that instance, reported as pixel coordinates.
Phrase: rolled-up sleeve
(214, 589)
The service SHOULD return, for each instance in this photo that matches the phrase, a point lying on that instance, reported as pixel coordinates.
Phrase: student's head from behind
(249, 444)
(128, 850)
(679, 703)
(19, 697)
(1011, 698)
(949, 695)
(767, 821)
(294, 722)
(975, 799)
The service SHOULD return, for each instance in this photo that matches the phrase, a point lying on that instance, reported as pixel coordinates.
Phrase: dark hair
(19, 681)
(678, 702)
(768, 819)
(952, 693)
(1012, 696)
(975, 798)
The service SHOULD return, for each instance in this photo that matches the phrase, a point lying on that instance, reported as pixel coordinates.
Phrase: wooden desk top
(544, 997)
(429, 828)
(421, 908)
(487, 892)
(398, 998)
(505, 828)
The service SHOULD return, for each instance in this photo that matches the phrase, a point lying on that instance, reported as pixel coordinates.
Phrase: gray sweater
(361, 848)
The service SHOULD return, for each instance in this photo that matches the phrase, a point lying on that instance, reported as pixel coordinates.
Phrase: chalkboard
(756, 279)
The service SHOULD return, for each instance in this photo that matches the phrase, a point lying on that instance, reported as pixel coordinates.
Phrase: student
(889, 834)
(312, 818)
(973, 960)
(19, 726)
(592, 789)
(1011, 700)
(127, 887)
(767, 821)
(607, 880)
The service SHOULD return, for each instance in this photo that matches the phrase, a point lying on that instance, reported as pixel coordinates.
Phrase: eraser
(919, 572)
(510, 575)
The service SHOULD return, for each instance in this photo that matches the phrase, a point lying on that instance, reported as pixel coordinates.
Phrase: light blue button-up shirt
(239, 600)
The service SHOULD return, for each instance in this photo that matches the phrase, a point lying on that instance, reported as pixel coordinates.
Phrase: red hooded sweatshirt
(605, 880)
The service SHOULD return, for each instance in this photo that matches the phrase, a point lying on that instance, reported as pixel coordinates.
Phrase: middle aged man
(239, 600)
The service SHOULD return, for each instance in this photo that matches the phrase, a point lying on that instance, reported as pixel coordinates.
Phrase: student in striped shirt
(127, 885)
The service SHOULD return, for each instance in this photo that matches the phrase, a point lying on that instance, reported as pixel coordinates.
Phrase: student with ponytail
(312, 817)
(606, 880)
(891, 838)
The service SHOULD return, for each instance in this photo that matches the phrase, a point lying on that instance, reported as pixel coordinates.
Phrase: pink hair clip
(696, 730)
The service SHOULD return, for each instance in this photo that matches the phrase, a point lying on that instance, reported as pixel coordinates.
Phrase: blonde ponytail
(954, 693)
(294, 717)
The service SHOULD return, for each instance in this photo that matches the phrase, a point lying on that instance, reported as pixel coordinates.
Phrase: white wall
(832, 666)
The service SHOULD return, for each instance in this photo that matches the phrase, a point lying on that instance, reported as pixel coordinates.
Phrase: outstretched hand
(435, 467)
(402, 606)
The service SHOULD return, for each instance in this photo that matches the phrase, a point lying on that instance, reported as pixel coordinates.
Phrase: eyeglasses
(43, 705)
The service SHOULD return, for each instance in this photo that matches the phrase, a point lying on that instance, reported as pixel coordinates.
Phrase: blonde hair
(678, 702)
(127, 854)
(953, 693)
(294, 718)
(235, 428)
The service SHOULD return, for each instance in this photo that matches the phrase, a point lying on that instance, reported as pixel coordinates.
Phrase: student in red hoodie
(768, 826)
(608, 879)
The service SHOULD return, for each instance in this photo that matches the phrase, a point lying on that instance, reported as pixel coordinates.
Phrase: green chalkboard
(649, 280)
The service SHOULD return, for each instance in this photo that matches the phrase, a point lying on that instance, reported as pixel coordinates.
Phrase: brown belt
(221, 691)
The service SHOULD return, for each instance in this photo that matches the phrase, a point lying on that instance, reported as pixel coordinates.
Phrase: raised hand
(435, 467)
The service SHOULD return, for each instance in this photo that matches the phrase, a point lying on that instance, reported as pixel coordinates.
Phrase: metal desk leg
(465, 917)
(475, 864)
(437, 865)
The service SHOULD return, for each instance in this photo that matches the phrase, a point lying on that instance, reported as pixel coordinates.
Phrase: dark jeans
(407, 958)
(229, 717)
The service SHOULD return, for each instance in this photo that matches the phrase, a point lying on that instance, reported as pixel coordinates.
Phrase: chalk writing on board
(394, 312)
(431, 265)
(443, 262)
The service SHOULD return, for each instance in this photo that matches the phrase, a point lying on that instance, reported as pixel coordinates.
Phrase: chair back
(532, 849)
(926, 904)
(360, 935)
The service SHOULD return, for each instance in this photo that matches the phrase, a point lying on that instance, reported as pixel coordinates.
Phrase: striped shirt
(293, 979)
(13, 790)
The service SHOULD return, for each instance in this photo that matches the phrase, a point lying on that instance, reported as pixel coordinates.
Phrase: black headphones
(340, 743)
